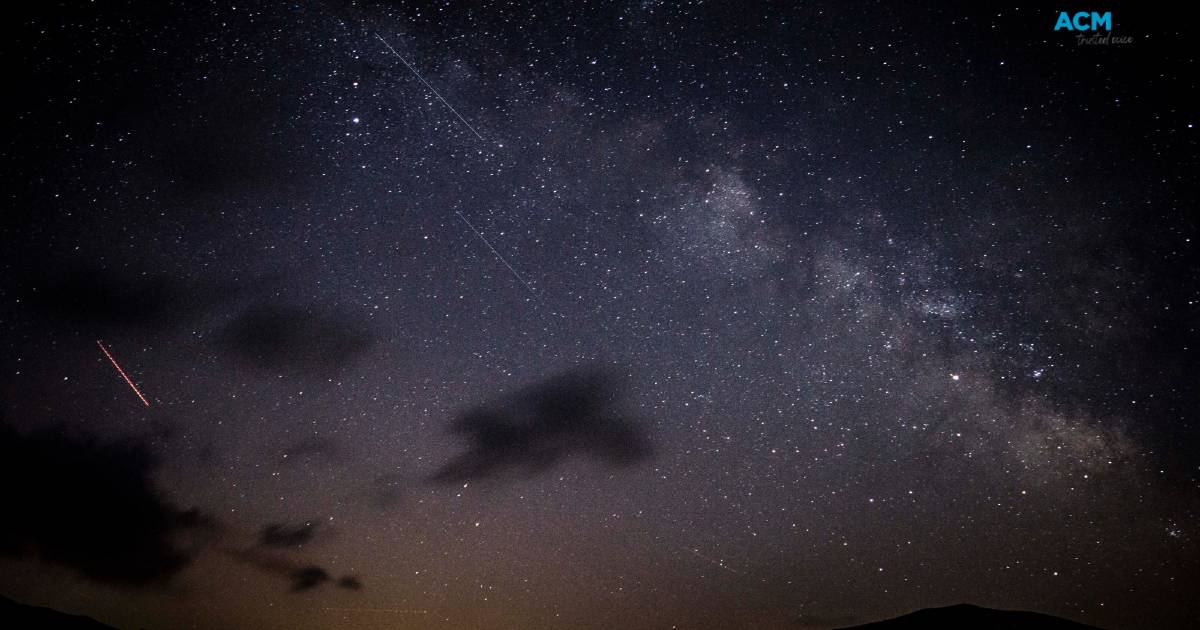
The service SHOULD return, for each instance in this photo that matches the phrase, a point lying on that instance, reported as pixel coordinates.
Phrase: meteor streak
(122, 373)
(435, 92)
(468, 125)
(399, 611)
(485, 242)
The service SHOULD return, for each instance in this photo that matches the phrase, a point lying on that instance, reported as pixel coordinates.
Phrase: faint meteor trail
(435, 92)
(398, 611)
(122, 373)
(477, 135)
(501, 258)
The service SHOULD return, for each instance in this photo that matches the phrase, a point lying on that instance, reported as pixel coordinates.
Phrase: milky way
(633, 315)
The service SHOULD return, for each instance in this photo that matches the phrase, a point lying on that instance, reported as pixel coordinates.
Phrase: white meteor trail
(435, 92)
(498, 256)
(477, 135)
(398, 611)
(122, 373)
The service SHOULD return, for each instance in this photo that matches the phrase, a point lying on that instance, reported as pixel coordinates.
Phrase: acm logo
(1084, 21)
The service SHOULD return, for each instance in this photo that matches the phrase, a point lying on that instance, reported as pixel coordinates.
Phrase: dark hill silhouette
(17, 615)
(974, 617)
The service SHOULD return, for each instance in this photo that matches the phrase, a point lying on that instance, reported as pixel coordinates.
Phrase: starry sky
(599, 314)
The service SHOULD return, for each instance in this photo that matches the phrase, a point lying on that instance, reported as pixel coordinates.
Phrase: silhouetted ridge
(975, 618)
(26, 617)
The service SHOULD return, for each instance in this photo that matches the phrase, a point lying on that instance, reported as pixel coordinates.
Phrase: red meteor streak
(122, 373)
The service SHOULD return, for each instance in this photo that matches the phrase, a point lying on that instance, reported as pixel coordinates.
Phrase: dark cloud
(573, 413)
(269, 336)
(93, 508)
(308, 577)
(387, 490)
(279, 535)
(278, 337)
(100, 297)
(303, 576)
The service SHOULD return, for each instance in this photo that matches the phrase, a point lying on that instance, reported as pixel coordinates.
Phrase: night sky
(597, 315)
